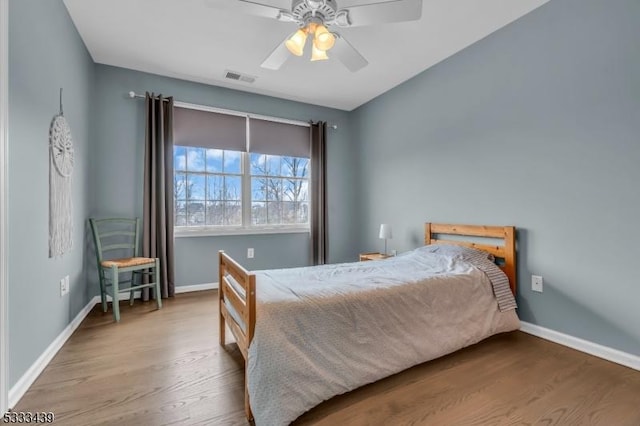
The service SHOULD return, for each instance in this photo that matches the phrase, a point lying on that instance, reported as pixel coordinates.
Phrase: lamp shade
(317, 54)
(385, 231)
(323, 39)
(295, 44)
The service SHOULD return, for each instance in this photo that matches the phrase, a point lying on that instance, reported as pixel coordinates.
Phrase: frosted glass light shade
(296, 42)
(323, 39)
(317, 54)
(385, 231)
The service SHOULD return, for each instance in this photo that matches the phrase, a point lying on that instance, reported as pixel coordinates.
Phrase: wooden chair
(120, 238)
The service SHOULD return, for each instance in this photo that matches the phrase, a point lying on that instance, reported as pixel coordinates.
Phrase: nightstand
(373, 256)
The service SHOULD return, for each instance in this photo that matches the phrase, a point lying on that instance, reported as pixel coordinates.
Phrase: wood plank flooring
(165, 367)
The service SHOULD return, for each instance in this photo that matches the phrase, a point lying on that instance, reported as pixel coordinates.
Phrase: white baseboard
(18, 390)
(601, 351)
(195, 287)
(124, 295)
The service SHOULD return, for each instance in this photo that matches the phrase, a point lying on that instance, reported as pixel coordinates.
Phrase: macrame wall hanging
(60, 169)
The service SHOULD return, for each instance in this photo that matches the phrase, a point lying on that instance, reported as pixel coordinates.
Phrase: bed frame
(244, 302)
(505, 252)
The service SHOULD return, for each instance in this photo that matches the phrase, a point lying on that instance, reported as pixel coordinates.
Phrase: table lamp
(385, 234)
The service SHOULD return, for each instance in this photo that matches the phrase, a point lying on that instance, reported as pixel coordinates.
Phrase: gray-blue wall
(45, 53)
(118, 153)
(536, 126)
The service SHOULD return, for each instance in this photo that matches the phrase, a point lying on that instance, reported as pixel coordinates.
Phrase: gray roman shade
(192, 127)
(273, 138)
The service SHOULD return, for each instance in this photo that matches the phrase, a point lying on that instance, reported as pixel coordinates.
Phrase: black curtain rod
(133, 94)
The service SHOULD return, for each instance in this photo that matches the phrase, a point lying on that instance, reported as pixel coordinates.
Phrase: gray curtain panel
(318, 193)
(157, 223)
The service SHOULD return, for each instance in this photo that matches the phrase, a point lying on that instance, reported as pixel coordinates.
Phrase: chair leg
(103, 290)
(132, 293)
(116, 290)
(156, 278)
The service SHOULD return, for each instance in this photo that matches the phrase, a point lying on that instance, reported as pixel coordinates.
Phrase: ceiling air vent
(234, 75)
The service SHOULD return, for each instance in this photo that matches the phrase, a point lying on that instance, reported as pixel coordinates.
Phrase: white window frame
(247, 228)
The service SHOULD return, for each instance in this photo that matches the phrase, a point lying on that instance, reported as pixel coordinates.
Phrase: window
(226, 182)
(279, 190)
(207, 187)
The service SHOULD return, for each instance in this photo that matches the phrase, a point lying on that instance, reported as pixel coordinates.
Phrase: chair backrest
(115, 235)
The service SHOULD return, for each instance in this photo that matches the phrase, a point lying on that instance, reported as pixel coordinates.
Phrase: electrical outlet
(250, 253)
(536, 283)
(64, 286)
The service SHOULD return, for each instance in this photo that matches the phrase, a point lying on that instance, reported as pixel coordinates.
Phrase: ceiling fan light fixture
(314, 16)
(296, 42)
(323, 39)
(317, 54)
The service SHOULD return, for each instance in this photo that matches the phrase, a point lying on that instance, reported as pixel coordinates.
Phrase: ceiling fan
(317, 19)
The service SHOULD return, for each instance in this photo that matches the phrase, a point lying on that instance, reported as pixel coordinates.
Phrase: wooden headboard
(505, 251)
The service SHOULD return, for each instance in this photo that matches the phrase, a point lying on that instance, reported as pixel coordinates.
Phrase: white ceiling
(199, 40)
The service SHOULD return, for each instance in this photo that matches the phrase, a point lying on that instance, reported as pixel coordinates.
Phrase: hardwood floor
(165, 367)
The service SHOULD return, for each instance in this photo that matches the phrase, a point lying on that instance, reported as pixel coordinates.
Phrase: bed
(308, 334)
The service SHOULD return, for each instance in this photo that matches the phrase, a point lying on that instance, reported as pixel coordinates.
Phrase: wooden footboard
(237, 294)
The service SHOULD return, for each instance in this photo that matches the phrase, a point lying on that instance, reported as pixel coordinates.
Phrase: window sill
(208, 232)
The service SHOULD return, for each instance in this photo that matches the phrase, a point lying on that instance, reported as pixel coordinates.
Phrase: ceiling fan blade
(276, 58)
(347, 54)
(259, 9)
(380, 13)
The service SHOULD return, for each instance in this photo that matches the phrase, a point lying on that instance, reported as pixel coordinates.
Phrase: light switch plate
(536, 283)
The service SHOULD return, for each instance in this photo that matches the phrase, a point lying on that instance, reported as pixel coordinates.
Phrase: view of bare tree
(298, 167)
(283, 189)
(182, 190)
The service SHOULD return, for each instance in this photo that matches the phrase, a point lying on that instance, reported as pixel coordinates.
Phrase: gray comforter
(323, 331)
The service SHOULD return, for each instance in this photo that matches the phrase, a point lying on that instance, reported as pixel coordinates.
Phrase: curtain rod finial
(132, 94)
